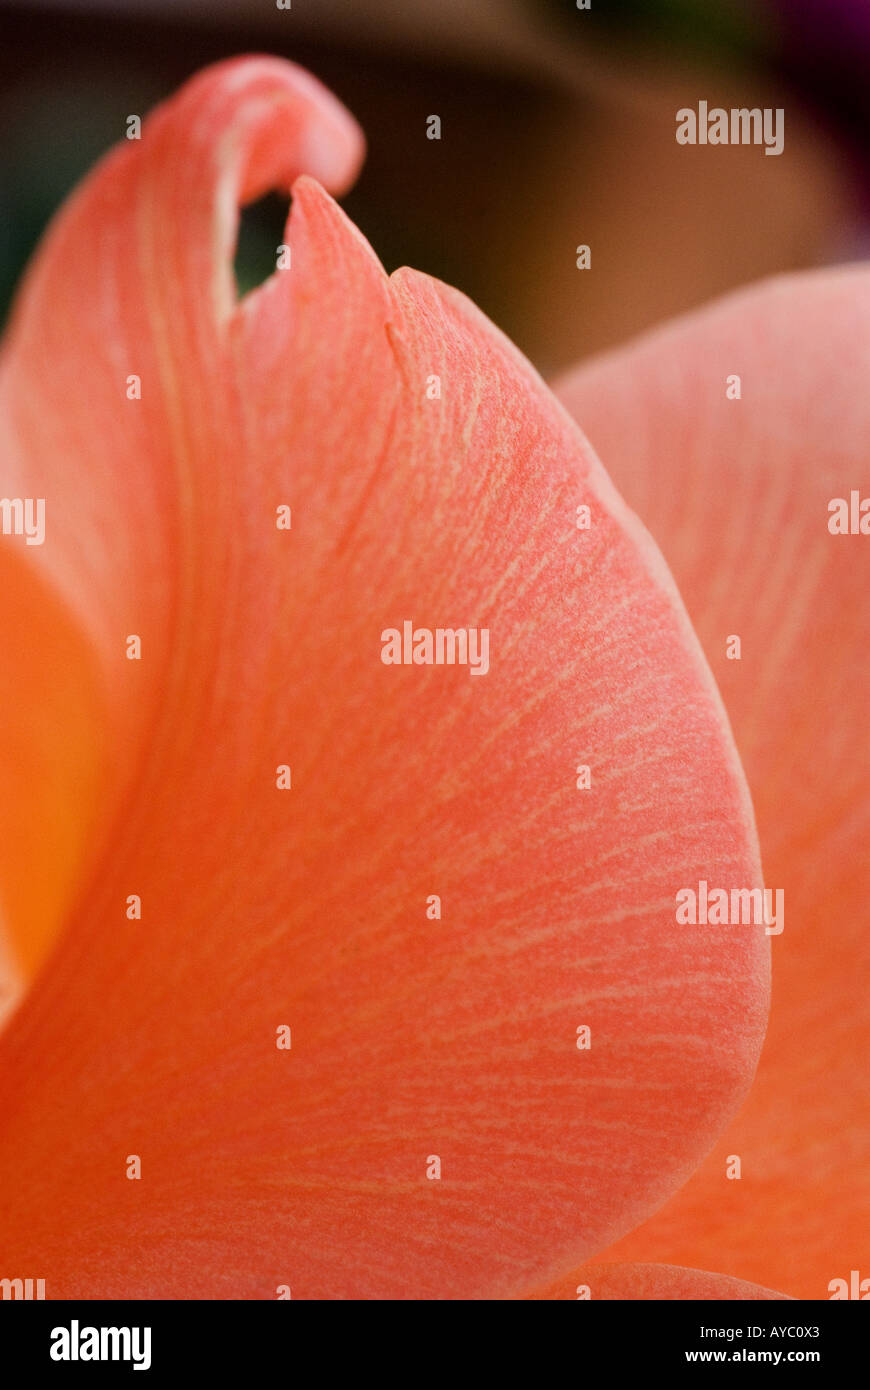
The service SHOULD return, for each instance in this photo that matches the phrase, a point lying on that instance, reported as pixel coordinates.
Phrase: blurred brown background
(558, 128)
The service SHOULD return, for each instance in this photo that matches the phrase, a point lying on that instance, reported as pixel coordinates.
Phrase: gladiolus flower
(739, 495)
(340, 974)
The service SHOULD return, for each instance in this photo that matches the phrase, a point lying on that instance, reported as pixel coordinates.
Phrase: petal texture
(642, 1282)
(737, 493)
(304, 899)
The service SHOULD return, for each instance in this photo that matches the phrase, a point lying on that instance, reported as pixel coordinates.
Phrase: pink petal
(737, 494)
(306, 907)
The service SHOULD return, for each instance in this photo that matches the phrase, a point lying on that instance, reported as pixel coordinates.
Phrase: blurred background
(558, 129)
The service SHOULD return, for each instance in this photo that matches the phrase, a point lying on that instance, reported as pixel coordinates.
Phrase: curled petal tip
(236, 131)
(288, 123)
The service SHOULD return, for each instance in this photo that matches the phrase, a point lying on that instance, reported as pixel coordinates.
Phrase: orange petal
(413, 1037)
(120, 526)
(736, 492)
(50, 760)
(637, 1282)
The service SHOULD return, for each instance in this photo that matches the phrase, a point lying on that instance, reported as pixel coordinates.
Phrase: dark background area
(558, 128)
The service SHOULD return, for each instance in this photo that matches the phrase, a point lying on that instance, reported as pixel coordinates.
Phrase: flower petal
(51, 772)
(637, 1282)
(414, 1037)
(736, 491)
